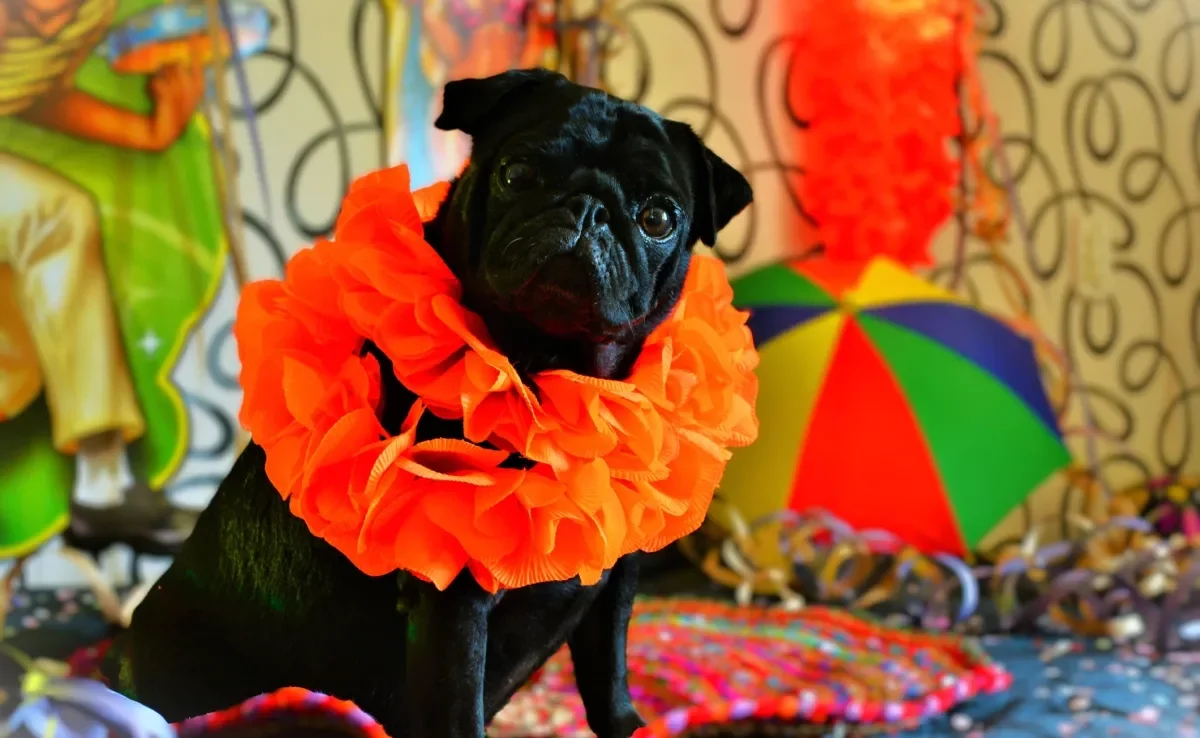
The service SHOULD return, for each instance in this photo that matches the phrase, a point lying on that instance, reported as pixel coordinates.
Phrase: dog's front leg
(598, 653)
(445, 657)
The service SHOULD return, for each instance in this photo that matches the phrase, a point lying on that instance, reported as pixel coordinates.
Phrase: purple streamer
(243, 83)
(970, 588)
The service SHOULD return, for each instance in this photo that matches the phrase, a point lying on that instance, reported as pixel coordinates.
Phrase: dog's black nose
(589, 212)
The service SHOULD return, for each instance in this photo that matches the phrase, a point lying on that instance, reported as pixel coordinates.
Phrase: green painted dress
(164, 250)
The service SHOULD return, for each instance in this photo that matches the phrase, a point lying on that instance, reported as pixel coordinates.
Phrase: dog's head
(574, 221)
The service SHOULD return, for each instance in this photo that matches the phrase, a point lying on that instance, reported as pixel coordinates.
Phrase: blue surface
(1084, 692)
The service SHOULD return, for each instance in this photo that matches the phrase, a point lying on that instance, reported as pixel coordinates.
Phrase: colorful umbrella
(890, 403)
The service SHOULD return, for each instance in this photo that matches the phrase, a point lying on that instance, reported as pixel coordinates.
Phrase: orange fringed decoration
(620, 466)
(879, 81)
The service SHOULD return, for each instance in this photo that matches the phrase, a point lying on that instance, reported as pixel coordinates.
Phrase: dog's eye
(656, 222)
(518, 175)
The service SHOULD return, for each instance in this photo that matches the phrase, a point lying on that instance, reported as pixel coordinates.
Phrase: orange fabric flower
(621, 466)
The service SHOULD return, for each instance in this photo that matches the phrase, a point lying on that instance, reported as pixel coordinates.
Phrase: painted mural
(112, 246)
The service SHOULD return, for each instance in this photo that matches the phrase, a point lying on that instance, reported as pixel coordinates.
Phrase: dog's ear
(720, 191)
(468, 103)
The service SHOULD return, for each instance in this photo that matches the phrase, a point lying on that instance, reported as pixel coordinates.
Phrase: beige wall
(1101, 131)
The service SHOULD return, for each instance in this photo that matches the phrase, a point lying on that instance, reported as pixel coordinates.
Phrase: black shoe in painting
(146, 522)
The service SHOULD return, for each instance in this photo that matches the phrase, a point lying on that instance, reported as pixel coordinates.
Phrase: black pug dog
(571, 231)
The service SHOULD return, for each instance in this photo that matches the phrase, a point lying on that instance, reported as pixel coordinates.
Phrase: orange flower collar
(620, 466)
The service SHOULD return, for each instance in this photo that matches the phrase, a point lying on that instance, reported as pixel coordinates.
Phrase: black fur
(255, 603)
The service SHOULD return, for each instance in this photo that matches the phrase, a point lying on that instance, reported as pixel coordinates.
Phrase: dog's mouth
(564, 312)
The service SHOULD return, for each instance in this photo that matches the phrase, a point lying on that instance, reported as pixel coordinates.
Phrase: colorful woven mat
(695, 663)
(287, 705)
(699, 663)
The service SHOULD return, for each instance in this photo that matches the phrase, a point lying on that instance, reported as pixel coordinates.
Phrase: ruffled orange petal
(553, 549)
(428, 200)
(375, 203)
(342, 441)
(285, 459)
(303, 388)
(693, 481)
(539, 490)
(485, 537)
(426, 549)
(261, 368)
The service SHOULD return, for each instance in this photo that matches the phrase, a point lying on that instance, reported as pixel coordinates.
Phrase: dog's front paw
(622, 724)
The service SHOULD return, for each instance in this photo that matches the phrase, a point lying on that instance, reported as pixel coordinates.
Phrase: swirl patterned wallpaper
(1101, 125)
(1100, 114)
